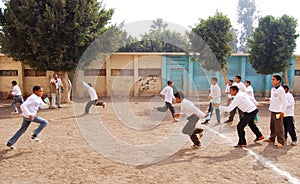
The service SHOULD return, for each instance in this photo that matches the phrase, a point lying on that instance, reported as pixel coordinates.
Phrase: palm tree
(158, 25)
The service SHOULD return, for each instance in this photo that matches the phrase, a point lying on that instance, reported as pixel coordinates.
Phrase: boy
(193, 113)
(215, 98)
(168, 94)
(17, 96)
(278, 103)
(56, 89)
(93, 96)
(248, 105)
(29, 109)
(288, 119)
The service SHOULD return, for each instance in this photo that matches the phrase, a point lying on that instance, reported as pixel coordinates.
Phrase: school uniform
(215, 93)
(93, 98)
(247, 105)
(288, 120)
(168, 94)
(17, 97)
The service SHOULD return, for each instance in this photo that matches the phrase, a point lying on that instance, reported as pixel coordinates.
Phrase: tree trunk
(225, 75)
(286, 79)
(66, 95)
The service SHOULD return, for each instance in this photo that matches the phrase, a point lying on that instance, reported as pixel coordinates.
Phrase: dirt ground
(65, 156)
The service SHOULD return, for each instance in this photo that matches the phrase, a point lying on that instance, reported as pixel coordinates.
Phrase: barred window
(122, 72)
(34, 73)
(95, 72)
(8, 72)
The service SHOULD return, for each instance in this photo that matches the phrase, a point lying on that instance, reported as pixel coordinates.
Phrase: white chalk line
(259, 158)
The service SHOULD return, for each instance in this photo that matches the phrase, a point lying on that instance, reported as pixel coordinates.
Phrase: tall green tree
(247, 15)
(273, 44)
(211, 39)
(52, 34)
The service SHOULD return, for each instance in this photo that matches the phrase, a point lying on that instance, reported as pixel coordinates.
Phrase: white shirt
(243, 101)
(168, 94)
(290, 105)
(31, 105)
(91, 90)
(16, 91)
(215, 93)
(241, 86)
(249, 90)
(57, 82)
(278, 100)
(188, 108)
(227, 90)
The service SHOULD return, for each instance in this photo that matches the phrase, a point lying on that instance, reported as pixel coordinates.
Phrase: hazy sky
(187, 13)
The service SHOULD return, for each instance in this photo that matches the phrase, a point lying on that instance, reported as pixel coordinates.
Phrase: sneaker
(278, 145)
(240, 146)
(259, 138)
(175, 120)
(294, 143)
(228, 121)
(200, 135)
(205, 122)
(12, 147)
(103, 105)
(34, 137)
(195, 146)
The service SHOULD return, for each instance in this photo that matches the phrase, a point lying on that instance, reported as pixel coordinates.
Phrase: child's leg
(25, 125)
(172, 110)
(291, 127)
(286, 127)
(163, 109)
(88, 106)
(218, 115)
(194, 137)
(43, 123)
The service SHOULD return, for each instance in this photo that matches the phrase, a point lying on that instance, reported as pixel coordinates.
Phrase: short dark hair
(169, 82)
(234, 88)
(249, 82)
(36, 88)
(179, 95)
(230, 80)
(239, 77)
(90, 84)
(278, 77)
(14, 82)
(285, 86)
(215, 79)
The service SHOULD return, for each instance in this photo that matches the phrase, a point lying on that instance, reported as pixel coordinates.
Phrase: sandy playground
(65, 156)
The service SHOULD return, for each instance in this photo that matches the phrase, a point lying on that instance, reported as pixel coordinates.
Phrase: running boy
(193, 113)
(93, 96)
(29, 109)
(168, 94)
(17, 95)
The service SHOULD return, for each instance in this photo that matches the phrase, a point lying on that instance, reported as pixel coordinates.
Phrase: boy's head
(247, 83)
(90, 84)
(276, 80)
(170, 83)
(38, 90)
(230, 82)
(13, 83)
(179, 96)
(285, 87)
(237, 78)
(234, 90)
(55, 76)
(214, 80)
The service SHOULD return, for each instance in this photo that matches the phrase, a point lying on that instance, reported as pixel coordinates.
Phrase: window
(297, 72)
(34, 73)
(8, 72)
(122, 72)
(95, 72)
(149, 72)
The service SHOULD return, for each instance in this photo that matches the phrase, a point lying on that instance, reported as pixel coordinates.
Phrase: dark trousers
(190, 129)
(90, 103)
(166, 107)
(232, 114)
(276, 128)
(289, 127)
(247, 119)
(210, 112)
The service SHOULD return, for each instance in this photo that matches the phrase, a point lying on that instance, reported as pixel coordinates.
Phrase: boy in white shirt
(288, 119)
(215, 98)
(249, 88)
(168, 94)
(278, 103)
(194, 114)
(56, 90)
(93, 97)
(17, 96)
(29, 109)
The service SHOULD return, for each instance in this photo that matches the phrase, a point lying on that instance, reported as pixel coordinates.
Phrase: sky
(186, 13)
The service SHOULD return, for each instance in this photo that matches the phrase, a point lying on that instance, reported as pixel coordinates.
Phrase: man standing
(56, 89)
(17, 96)
(278, 104)
(248, 106)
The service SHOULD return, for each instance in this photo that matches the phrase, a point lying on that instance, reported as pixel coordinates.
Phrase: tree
(212, 34)
(247, 15)
(273, 44)
(158, 25)
(52, 34)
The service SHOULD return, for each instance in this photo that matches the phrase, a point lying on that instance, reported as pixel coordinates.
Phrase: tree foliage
(52, 34)
(273, 44)
(247, 15)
